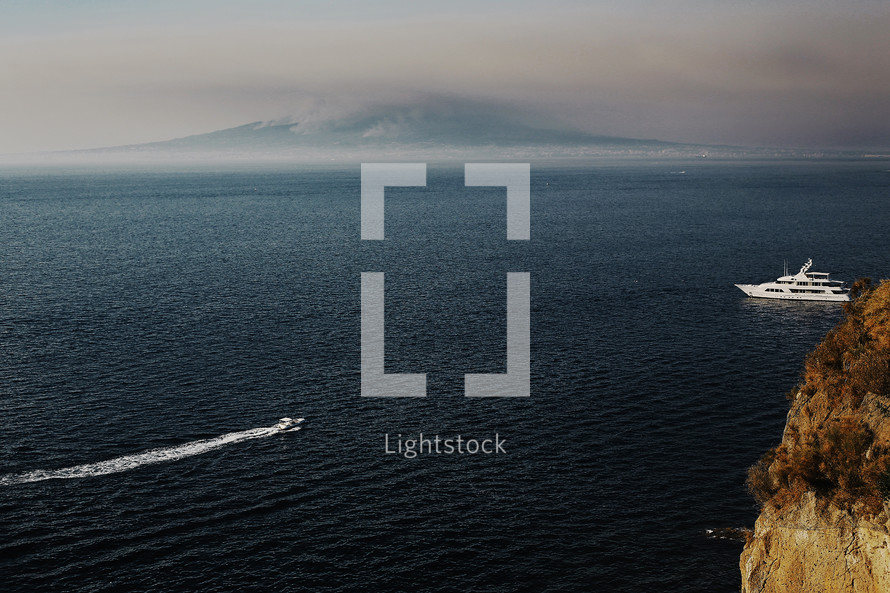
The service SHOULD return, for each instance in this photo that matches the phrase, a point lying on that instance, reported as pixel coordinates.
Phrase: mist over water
(149, 316)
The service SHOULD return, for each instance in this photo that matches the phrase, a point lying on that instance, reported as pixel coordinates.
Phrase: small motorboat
(286, 424)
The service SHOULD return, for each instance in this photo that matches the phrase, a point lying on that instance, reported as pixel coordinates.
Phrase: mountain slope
(429, 130)
(436, 129)
(391, 130)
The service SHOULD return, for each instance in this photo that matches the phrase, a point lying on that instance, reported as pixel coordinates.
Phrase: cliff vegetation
(834, 444)
(824, 490)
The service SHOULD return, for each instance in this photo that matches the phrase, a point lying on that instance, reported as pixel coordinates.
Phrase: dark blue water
(174, 315)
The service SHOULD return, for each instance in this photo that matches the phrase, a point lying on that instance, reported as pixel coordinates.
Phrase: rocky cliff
(825, 489)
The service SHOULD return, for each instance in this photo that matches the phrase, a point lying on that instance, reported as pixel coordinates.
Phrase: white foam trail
(128, 462)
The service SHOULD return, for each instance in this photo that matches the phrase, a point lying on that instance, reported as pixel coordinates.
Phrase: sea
(157, 321)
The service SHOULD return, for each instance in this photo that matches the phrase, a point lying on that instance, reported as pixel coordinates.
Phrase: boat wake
(128, 462)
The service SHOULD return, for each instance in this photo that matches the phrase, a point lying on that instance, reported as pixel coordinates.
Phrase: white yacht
(288, 424)
(803, 286)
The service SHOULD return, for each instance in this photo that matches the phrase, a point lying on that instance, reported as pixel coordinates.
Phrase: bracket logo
(516, 381)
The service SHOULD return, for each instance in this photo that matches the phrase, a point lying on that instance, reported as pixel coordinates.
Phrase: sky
(785, 73)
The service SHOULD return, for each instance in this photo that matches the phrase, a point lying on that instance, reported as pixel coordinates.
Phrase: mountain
(429, 130)
(394, 131)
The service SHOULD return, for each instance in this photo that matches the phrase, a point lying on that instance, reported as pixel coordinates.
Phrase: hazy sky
(796, 73)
